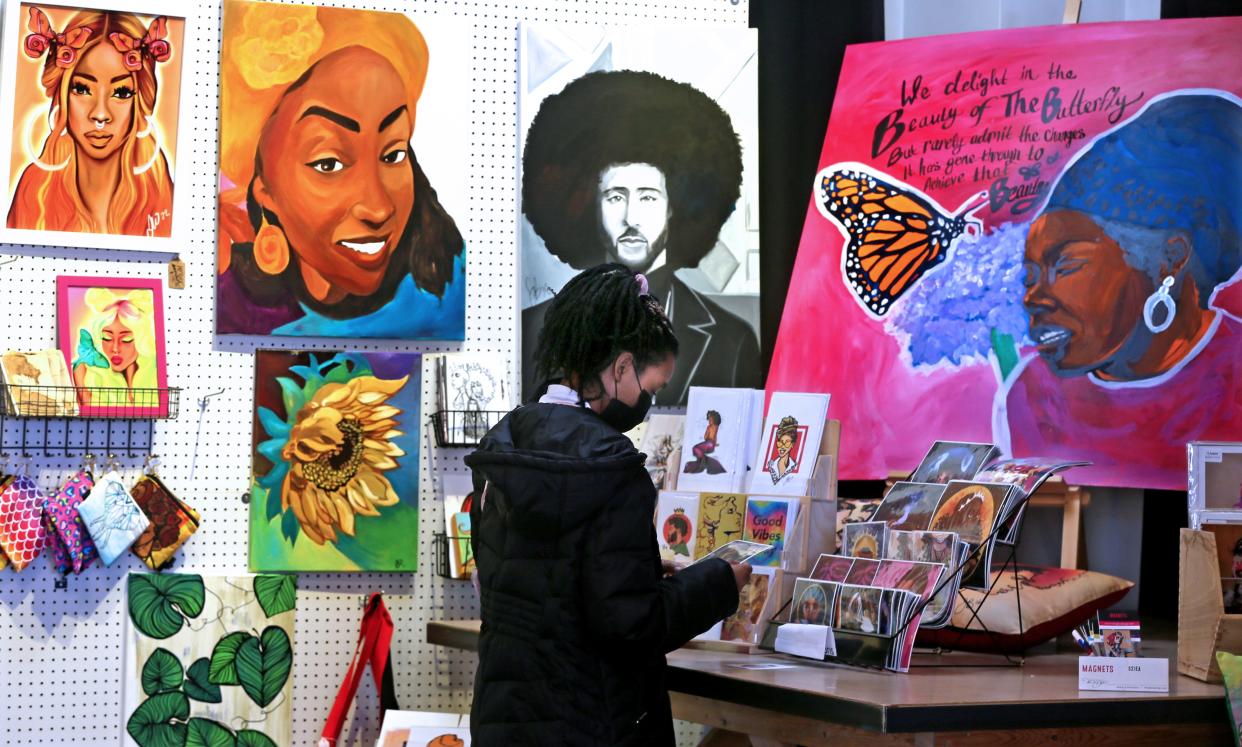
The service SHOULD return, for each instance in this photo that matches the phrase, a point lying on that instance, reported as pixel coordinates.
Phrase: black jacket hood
(552, 467)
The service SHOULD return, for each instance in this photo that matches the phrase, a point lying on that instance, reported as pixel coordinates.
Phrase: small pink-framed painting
(111, 332)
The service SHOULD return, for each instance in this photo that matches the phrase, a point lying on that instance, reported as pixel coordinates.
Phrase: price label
(1122, 674)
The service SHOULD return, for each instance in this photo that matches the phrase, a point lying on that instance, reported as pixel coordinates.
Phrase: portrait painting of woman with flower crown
(329, 225)
(92, 95)
(335, 470)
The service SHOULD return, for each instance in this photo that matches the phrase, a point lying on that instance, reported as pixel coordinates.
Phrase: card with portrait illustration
(91, 94)
(813, 602)
(969, 508)
(865, 539)
(858, 608)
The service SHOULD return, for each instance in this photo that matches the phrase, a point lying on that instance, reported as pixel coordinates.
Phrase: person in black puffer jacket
(578, 611)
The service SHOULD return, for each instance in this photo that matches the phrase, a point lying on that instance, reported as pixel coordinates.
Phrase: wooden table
(811, 704)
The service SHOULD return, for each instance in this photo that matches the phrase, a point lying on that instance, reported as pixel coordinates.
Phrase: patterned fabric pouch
(69, 532)
(112, 518)
(21, 521)
(60, 554)
(5, 479)
(172, 522)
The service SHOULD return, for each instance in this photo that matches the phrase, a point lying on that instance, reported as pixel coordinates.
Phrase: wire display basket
(66, 420)
(29, 401)
(463, 428)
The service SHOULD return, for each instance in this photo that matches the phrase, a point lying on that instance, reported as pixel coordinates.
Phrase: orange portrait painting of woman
(94, 95)
(329, 223)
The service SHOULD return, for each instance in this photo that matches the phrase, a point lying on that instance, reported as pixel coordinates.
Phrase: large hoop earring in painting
(155, 150)
(1160, 298)
(32, 154)
(271, 248)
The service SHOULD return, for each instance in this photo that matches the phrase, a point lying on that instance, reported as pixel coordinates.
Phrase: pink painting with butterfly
(1029, 238)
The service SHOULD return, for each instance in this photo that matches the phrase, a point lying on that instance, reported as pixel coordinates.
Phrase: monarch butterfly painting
(894, 233)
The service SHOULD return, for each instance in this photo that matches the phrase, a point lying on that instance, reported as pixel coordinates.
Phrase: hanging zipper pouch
(112, 518)
(21, 521)
(67, 534)
(172, 522)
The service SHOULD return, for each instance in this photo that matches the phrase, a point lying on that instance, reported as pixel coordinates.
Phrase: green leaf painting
(276, 594)
(160, 721)
(251, 738)
(264, 663)
(209, 660)
(223, 670)
(201, 732)
(159, 603)
(161, 673)
(198, 684)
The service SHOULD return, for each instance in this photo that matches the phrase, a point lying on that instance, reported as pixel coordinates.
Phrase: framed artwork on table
(1214, 480)
(111, 332)
(91, 92)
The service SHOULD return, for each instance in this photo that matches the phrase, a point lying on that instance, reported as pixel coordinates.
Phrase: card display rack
(64, 420)
(871, 650)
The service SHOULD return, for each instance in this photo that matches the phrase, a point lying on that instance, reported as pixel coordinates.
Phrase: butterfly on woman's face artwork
(894, 233)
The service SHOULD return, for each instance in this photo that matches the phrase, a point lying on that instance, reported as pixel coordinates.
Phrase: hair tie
(643, 288)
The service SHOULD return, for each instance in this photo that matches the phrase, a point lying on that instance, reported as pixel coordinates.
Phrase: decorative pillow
(1054, 601)
(112, 517)
(853, 511)
(21, 521)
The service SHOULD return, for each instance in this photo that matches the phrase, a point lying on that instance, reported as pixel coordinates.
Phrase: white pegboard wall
(60, 649)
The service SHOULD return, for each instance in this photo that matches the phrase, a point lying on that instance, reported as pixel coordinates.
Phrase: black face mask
(624, 417)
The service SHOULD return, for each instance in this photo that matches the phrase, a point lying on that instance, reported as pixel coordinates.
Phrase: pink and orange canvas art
(1029, 238)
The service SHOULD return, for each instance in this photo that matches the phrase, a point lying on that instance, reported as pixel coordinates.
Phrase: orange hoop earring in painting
(271, 249)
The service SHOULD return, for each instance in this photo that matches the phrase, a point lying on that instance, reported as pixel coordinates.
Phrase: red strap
(374, 644)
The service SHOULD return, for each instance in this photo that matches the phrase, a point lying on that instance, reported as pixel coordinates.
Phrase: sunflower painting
(335, 481)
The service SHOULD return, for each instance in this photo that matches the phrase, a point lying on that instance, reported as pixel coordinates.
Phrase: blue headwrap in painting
(1176, 166)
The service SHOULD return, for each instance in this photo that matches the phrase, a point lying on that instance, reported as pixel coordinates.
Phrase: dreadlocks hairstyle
(600, 313)
(625, 116)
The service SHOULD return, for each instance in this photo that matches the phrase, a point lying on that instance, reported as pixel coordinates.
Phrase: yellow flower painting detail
(341, 489)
